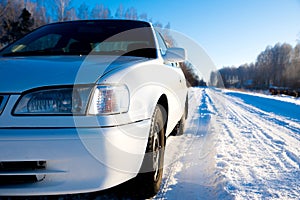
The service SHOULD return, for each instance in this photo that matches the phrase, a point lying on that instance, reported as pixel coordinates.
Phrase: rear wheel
(179, 128)
(149, 178)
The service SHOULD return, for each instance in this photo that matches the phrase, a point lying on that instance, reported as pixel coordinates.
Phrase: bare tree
(143, 16)
(100, 12)
(83, 11)
(61, 8)
(3, 7)
(17, 28)
(38, 12)
(292, 70)
(120, 12)
(10, 12)
(71, 13)
(131, 13)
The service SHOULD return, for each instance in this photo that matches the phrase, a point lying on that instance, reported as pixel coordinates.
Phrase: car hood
(18, 74)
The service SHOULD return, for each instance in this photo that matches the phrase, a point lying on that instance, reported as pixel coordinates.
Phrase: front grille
(22, 166)
(3, 100)
(21, 172)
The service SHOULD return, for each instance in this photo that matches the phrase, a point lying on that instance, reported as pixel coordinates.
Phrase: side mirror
(175, 55)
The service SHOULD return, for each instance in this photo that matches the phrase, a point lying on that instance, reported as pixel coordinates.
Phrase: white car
(87, 105)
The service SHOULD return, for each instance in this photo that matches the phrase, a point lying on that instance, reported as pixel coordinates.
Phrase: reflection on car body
(87, 105)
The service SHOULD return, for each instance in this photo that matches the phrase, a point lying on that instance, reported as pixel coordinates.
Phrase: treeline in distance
(275, 67)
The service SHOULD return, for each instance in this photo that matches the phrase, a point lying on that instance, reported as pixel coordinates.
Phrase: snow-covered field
(236, 146)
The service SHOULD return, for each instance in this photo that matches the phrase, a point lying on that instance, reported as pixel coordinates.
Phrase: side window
(161, 43)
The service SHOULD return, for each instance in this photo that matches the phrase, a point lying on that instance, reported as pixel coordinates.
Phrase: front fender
(147, 82)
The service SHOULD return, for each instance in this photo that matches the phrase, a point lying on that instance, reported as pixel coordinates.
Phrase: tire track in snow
(253, 152)
(274, 136)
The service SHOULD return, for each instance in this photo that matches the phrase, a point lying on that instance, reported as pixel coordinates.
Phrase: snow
(236, 145)
(281, 97)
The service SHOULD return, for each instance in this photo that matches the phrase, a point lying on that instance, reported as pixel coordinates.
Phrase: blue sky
(232, 32)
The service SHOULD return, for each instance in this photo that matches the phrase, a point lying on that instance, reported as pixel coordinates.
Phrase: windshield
(100, 37)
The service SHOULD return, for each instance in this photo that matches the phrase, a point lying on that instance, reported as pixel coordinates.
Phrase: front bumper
(76, 160)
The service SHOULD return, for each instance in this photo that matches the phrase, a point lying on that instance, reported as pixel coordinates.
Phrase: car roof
(112, 21)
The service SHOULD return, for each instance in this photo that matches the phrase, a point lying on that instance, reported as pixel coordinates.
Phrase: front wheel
(149, 178)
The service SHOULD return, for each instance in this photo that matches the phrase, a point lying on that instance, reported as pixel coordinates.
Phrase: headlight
(65, 101)
(93, 100)
(109, 99)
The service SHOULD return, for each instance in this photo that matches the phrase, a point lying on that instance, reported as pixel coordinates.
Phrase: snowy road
(236, 146)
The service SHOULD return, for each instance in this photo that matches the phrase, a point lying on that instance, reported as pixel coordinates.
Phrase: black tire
(180, 126)
(186, 107)
(149, 178)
